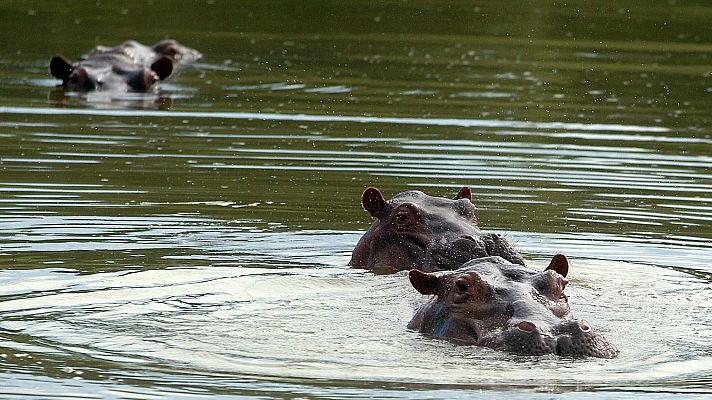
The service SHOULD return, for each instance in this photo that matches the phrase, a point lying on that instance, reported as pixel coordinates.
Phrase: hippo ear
(60, 67)
(423, 282)
(373, 202)
(464, 193)
(560, 264)
(163, 67)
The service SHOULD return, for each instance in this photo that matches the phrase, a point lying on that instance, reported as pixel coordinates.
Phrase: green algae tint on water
(194, 243)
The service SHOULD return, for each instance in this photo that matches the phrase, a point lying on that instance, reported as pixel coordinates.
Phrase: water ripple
(460, 122)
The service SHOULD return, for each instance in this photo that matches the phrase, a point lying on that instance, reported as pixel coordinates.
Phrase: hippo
(130, 66)
(494, 303)
(414, 230)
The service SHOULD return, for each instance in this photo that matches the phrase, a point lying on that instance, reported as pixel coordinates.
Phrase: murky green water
(193, 244)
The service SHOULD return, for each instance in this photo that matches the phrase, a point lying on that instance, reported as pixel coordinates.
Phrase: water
(195, 243)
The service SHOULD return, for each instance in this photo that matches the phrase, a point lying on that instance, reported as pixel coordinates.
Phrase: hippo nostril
(564, 346)
(402, 217)
(585, 327)
(526, 326)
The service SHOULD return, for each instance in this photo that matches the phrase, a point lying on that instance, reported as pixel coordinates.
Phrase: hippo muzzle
(568, 339)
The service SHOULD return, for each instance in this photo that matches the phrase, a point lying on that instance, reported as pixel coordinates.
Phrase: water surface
(194, 242)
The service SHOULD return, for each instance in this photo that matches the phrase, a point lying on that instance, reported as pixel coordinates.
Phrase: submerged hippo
(414, 230)
(130, 66)
(494, 303)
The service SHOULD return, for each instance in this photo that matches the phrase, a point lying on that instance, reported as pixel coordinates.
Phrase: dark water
(194, 243)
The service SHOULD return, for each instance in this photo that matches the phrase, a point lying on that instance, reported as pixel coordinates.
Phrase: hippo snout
(527, 339)
(569, 339)
(578, 339)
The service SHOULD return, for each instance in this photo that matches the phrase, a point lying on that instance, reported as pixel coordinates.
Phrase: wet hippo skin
(494, 303)
(130, 66)
(414, 230)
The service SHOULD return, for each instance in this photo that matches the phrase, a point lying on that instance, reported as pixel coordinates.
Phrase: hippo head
(414, 230)
(494, 303)
(111, 73)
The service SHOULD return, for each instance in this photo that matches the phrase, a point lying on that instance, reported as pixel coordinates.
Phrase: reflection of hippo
(494, 303)
(414, 230)
(128, 67)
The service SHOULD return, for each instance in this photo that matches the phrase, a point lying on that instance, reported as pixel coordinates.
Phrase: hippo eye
(461, 286)
(404, 218)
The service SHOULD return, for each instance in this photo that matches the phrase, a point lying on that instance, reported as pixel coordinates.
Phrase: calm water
(194, 243)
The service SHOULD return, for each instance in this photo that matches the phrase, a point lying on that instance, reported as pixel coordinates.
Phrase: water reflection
(194, 243)
(209, 317)
(58, 97)
(630, 180)
(458, 122)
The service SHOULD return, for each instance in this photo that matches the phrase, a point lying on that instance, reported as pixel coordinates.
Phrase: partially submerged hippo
(130, 66)
(494, 303)
(414, 230)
